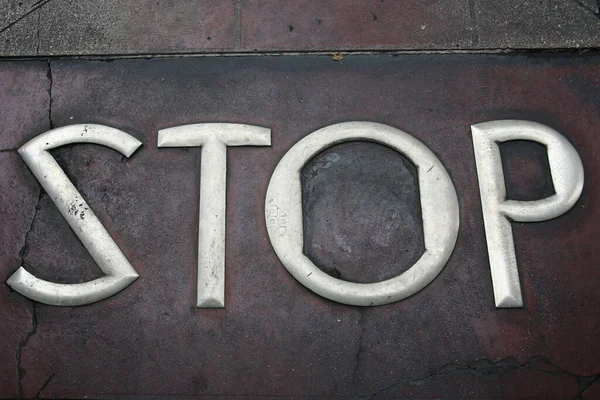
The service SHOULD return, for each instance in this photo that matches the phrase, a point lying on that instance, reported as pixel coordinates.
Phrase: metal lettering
(118, 271)
(214, 139)
(439, 207)
(567, 177)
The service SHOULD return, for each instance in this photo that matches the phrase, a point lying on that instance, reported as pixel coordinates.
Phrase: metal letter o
(439, 208)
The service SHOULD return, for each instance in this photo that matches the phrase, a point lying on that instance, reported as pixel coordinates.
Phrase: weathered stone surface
(24, 111)
(536, 24)
(18, 201)
(275, 337)
(343, 24)
(120, 27)
(62, 27)
(593, 392)
(19, 27)
(591, 5)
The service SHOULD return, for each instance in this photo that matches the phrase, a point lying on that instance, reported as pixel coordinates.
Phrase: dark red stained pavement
(275, 337)
(343, 24)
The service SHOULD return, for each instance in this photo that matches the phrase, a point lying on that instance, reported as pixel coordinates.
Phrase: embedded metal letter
(567, 177)
(439, 206)
(214, 139)
(118, 271)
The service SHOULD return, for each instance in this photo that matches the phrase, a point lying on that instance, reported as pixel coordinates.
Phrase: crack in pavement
(473, 16)
(32, 308)
(37, 33)
(23, 253)
(359, 348)
(586, 7)
(591, 383)
(239, 6)
(39, 392)
(22, 345)
(25, 247)
(33, 8)
(487, 369)
(51, 82)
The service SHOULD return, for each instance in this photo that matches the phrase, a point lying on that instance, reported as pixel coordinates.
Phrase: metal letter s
(118, 271)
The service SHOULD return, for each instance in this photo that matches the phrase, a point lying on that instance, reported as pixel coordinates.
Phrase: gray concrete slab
(87, 27)
(18, 27)
(116, 27)
(592, 5)
(549, 24)
(12, 11)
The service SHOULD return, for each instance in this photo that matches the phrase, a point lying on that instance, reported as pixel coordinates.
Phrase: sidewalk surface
(429, 68)
(147, 27)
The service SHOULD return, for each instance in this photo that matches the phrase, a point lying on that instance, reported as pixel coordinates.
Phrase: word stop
(283, 207)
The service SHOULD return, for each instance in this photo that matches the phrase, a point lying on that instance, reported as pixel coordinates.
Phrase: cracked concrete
(591, 5)
(517, 24)
(31, 305)
(149, 27)
(25, 248)
(15, 8)
(50, 82)
(592, 391)
(16, 312)
(359, 347)
(486, 369)
(294, 339)
(23, 344)
(40, 392)
(20, 26)
(37, 30)
(16, 178)
(239, 5)
(473, 17)
(23, 84)
(276, 337)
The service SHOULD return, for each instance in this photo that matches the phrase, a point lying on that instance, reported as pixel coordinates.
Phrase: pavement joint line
(50, 83)
(327, 53)
(473, 16)
(587, 8)
(239, 7)
(37, 33)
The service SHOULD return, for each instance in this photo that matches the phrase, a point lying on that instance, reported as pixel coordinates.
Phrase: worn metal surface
(214, 139)
(439, 213)
(118, 272)
(566, 173)
(276, 337)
